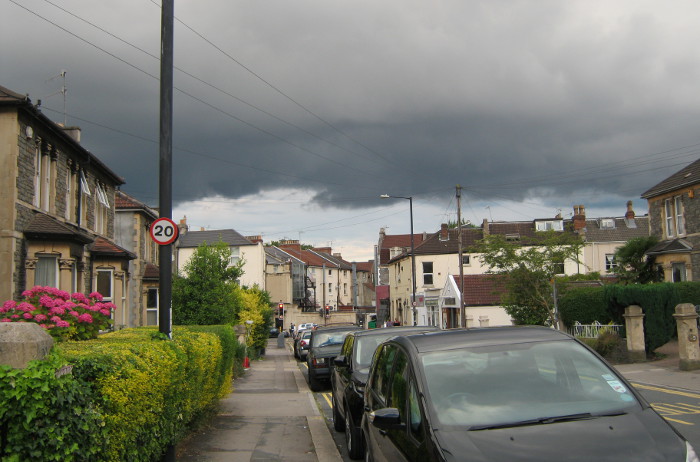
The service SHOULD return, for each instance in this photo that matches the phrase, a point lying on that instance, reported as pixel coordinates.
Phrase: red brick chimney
(444, 234)
(485, 227)
(255, 239)
(630, 211)
(579, 217)
(291, 246)
(327, 250)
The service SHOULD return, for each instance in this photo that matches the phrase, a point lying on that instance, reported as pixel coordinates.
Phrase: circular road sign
(164, 231)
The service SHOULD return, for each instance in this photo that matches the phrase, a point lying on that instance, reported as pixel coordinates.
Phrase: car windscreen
(321, 339)
(494, 385)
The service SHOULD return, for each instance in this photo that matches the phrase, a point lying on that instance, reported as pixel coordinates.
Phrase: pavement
(663, 372)
(271, 414)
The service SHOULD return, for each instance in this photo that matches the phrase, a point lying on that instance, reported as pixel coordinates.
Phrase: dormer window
(607, 223)
(549, 225)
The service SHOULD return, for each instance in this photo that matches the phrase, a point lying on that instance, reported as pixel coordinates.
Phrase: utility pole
(462, 309)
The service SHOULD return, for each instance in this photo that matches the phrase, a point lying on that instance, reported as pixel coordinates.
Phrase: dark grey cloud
(550, 102)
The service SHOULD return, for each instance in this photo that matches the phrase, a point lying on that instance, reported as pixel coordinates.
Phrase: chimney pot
(630, 211)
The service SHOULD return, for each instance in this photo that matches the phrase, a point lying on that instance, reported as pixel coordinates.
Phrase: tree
(528, 268)
(206, 293)
(633, 265)
(255, 306)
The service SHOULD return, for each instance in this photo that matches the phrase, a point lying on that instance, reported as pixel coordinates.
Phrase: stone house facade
(56, 209)
(674, 218)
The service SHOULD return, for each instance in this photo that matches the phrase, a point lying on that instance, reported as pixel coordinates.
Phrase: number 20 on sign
(164, 231)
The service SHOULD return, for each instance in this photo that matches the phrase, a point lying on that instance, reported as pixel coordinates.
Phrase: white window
(428, 273)
(235, 256)
(668, 209)
(680, 222)
(678, 272)
(46, 273)
(84, 196)
(610, 261)
(550, 225)
(70, 178)
(607, 223)
(37, 175)
(152, 307)
(105, 283)
(466, 260)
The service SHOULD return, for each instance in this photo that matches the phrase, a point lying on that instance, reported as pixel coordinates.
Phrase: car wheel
(353, 438)
(314, 383)
(338, 422)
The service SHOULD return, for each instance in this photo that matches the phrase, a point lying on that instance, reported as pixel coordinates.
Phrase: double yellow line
(667, 410)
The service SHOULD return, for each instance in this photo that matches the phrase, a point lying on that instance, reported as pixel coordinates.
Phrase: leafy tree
(529, 267)
(255, 306)
(206, 293)
(633, 266)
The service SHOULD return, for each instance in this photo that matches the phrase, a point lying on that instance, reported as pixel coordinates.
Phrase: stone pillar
(483, 321)
(688, 348)
(470, 321)
(634, 324)
(21, 342)
(65, 279)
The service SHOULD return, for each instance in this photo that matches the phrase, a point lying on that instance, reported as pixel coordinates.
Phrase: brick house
(674, 217)
(56, 209)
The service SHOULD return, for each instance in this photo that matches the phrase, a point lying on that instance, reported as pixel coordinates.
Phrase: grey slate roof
(623, 231)
(275, 255)
(687, 176)
(229, 236)
(674, 246)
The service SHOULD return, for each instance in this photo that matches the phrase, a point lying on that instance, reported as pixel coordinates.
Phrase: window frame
(428, 276)
(669, 217)
(110, 297)
(679, 221)
(56, 271)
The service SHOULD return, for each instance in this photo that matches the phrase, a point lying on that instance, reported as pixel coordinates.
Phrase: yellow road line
(666, 390)
(326, 396)
(678, 421)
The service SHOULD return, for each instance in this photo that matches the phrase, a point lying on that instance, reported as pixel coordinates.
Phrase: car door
(341, 375)
(376, 394)
(409, 441)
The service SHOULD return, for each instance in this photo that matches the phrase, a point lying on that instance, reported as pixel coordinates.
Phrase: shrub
(64, 315)
(150, 390)
(585, 305)
(48, 416)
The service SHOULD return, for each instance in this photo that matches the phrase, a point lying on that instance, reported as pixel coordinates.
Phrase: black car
(350, 375)
(507, 394)
(324, 346)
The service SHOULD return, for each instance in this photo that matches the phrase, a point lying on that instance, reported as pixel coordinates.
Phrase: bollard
(280, 340)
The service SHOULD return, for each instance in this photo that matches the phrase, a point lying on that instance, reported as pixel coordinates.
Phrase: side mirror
(387, 419)
(340, 361)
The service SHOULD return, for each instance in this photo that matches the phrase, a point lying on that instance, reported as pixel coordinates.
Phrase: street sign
(164, 231)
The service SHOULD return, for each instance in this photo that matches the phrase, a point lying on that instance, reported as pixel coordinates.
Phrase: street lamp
(413, 254)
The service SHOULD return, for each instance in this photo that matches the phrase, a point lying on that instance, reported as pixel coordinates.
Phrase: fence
(594, 330)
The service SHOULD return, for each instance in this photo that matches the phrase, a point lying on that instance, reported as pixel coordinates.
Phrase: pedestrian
(396, 322)
(372, 323)
(291, 330)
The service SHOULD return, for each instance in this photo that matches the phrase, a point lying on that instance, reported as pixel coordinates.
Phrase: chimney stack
(579, 217)
(630, 211)
(485, 227)
(444, 234)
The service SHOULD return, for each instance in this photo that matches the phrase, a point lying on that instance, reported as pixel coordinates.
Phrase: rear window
(509, 383)
(329, 338)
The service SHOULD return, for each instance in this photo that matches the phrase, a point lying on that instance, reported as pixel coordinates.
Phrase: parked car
(515, 394)
(324, 346)
(301, 347)
(349, 378)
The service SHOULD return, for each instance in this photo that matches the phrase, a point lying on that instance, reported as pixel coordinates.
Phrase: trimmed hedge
(608, 303)
(131, 394)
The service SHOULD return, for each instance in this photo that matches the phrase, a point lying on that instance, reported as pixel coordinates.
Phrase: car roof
(332, 328)
(486, 336)
(398, 330)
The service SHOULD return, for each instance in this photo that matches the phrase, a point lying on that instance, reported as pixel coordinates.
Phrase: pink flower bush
(65, 316)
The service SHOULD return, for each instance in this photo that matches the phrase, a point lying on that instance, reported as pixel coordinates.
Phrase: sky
(291, 118)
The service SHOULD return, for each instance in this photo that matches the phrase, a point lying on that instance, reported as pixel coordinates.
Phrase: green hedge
(607, 303)
(130, 395)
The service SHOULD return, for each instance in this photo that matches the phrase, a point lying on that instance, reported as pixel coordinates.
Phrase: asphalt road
(679, 407)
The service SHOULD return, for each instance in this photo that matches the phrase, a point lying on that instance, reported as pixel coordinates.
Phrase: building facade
(56, 209)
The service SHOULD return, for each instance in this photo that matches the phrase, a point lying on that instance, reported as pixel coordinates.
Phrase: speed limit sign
(164, 231)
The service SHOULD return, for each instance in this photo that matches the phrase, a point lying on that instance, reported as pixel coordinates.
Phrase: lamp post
(413, 254)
